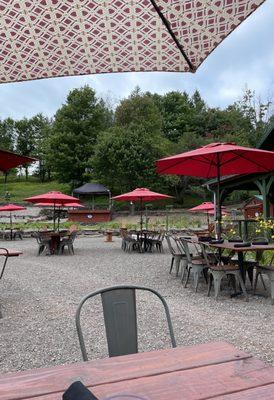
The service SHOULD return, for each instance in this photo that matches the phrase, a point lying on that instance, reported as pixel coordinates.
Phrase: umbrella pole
(54, 216)
(207, 216)
(218, 204)
(58, 220)
(141, 222)
(10, 226)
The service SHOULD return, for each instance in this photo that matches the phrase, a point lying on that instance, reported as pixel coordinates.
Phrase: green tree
(26, 136)
(139, 108)
(257, 112)
(75, 130)
(130, 149)
(7, 134)
(43, 130)
(125, 158)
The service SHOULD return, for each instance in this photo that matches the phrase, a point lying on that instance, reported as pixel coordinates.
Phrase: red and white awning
(47, 38)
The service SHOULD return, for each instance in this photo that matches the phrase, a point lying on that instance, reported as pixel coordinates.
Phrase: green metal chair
(267, 270)
(120, 317)
(195, 263)
(176, 253)
(217, 270)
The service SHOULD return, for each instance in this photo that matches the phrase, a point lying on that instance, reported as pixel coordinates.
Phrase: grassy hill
(20, 188)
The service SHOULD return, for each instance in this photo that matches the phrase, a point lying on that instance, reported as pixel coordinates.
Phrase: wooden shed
(93, 213)
(254, 207)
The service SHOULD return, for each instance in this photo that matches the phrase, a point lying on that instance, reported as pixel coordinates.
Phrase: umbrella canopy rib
(172, 34)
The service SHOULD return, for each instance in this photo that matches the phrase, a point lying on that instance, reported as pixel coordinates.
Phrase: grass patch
(20, 188)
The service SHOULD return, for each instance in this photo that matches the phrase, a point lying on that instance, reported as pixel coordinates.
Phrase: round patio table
(55, 239)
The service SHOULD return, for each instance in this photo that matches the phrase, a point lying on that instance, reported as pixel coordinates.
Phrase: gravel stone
(39, 297)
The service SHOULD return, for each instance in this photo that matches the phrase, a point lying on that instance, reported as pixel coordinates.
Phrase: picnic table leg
(4, 266)
(241, 265)
(242, 271)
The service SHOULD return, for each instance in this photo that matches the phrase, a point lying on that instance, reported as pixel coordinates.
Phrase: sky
(244, 59)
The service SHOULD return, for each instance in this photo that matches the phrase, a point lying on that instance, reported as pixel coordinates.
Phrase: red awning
(42, 39)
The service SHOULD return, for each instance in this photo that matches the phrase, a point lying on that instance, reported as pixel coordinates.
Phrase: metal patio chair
(195, 263)
(176, 253)
(67, 241)
(267, 270)
(120, 317)
(157, 241)
(43, 243)
(217, 270)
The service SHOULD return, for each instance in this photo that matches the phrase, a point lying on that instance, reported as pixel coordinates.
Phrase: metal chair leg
(171, 266)
(271, 278)
(183, 269)
(242, 285)
(210, 280)
(187, 278)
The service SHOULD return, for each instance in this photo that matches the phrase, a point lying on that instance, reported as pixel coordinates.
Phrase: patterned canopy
(47, 38)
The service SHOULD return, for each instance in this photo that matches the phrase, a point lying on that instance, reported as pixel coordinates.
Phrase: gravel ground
(39, 296)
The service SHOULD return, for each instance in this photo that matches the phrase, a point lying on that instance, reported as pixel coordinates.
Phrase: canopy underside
(49, 38)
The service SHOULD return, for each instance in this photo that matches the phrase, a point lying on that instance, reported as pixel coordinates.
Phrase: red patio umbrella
(53, 198)
(10, 160)
(212, 212)
(112, 36)
(141, 195)
(216, 160)
(59, 205)
(206, 206)
(10, 208)
(73, 205)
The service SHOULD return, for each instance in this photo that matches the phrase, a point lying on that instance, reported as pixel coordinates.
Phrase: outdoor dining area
(221, 264)
(133, 317)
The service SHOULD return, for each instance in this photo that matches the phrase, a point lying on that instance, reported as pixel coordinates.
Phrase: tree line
(88, 140)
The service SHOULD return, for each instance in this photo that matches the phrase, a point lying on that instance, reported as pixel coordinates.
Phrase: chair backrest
(185, 244)
(38, 237)
(73, 236)
(171, 248)
(120, 317)
(211, 258)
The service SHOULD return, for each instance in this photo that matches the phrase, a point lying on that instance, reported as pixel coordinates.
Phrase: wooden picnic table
(206, 371)
(7, 254)
(258, 249)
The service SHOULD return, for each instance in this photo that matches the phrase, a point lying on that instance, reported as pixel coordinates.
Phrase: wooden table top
(211, 370)
(230, 246)
(10, 253)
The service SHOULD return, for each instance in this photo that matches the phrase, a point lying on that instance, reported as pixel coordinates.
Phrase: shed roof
(91, 189)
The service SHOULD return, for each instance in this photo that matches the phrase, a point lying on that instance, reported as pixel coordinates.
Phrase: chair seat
(198, 261)
(228, 267)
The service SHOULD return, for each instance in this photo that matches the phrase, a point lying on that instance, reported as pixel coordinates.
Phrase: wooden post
(109, 236)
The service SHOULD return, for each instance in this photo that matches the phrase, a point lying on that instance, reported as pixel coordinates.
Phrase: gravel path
(39, 296)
